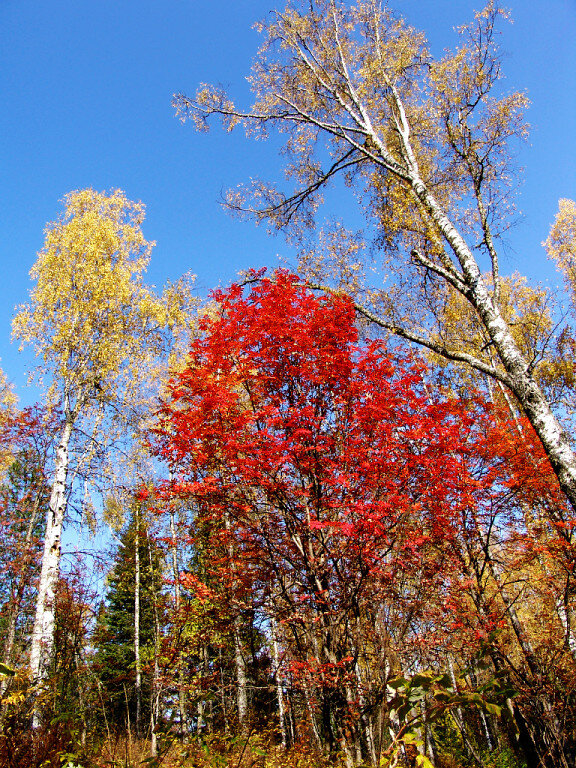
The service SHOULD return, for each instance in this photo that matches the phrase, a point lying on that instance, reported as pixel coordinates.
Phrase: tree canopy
(428, 146)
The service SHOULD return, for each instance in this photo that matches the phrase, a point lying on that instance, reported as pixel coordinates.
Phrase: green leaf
(423, 680)
(416, 694)
(403, 711)
(6, 670)
(443, 696)
(445, 682)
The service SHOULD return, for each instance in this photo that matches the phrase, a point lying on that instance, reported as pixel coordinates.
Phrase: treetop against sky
(86, 99)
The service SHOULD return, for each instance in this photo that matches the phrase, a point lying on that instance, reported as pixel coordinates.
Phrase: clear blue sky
(85, 92)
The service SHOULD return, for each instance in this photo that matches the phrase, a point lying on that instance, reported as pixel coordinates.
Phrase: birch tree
(427, 145)
(101, 336)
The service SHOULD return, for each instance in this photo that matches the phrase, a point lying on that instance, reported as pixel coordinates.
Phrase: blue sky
(86, 88)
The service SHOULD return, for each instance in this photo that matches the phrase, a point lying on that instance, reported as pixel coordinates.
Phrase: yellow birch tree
(102, 337)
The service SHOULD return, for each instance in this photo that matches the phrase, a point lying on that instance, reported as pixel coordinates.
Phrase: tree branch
(415, 338)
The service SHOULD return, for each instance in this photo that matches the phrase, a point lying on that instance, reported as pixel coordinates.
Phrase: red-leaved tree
(334, 482)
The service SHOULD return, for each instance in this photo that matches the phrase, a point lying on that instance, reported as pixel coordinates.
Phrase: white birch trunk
(472, 286)
(241, 677)
(42, 644)
(564, 617)
(239, 660)
(312, 715)
(366, 718)
(520, 380)
(155, 692)
(201, 720)
(137, 659)
(177, 605)
(278, 681)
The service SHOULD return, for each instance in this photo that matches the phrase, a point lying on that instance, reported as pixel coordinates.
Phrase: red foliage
(341, 495)
(26, 437)
(323, 459)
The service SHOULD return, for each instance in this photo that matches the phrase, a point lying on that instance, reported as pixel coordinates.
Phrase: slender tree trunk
(129, 723)
(461, 722)
(42, 644)
(177, 606)
(312, 715)
(241, 677)
(350, 737)
(366, 717)
(239, 660)
(278, 681)
(429, 745)
(201, 720)
(137, 659)
(223, 693)
(566, 621)
(155, 688)
(81, 701)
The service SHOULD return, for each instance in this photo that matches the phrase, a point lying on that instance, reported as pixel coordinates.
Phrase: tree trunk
(155, 688)
(460, 721)
(312, 716)
(467, 279)
(201, 719)
(239, 660)
(278, 681)
(42, 644)
(223, 693)
(519, 378)
(137, 659)
(241, 678)
(177, 606)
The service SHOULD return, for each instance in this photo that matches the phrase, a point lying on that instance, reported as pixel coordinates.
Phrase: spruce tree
(128, 702)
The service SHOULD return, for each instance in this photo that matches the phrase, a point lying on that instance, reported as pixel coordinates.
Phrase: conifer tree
(115, 637)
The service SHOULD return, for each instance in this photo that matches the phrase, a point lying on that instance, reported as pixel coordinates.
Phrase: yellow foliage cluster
(90, 318)
(561, 244)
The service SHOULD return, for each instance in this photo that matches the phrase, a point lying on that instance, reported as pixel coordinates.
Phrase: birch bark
(137, 658)
(155, 688)
(518, 376)
(177, 606)
(45, 618)
(241, 677)
(276, 672)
